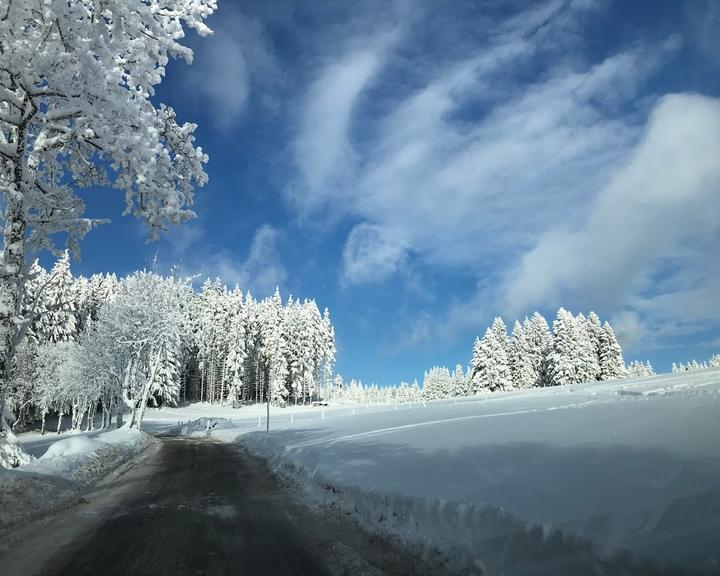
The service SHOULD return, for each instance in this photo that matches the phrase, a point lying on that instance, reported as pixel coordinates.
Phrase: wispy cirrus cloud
(323, 152)
(259, 269)
(504, 161)
(653, 217)
(232, 64)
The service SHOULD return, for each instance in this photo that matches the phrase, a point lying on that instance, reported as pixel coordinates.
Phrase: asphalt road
(199, 507)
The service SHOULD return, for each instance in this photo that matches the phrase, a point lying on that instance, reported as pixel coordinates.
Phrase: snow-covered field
(627, 465)
(67, 465)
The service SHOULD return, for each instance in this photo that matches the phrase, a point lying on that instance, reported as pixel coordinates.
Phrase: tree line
(577, 349)
(107, 345)
(77, 112)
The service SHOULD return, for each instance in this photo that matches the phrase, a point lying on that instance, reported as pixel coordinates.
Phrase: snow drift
(594, 477)
(203, 427)
(67, 468)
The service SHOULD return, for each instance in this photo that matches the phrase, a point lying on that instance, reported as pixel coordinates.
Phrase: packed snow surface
(626, 464)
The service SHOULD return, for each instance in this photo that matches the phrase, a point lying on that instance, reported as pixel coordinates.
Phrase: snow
(631, 464)
(72, 447)
(204, 426)
(67, 468)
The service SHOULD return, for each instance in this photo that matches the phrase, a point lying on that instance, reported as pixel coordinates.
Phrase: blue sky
(420, 167)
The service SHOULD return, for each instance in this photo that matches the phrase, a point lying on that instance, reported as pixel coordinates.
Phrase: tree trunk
(60, 417)
(42, 427)
(146, 389)
(92, 409)
(12, 262)
(73, 416)
(11, 270)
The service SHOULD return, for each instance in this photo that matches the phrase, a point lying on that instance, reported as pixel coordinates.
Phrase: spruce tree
(539, 340)
(587, 367)
(612, 365)
(562, 361)
(58, 321)
(520, 360)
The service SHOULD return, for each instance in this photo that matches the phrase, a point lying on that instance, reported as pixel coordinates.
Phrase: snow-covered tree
(23, 390)
(612, 365)
(437, 383)
(58, 322)
(490, 369)
(236, 353)
(76, 111)
(34, 301)
(637, 369)
(460, 384)
(539, 340)
(563, 360)
(593, 334)
(61, 388)
(137, 331)
(271, 326)
(520, 359)
(587, 341)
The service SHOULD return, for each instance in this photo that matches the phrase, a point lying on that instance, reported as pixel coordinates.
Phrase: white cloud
(222, 77)
(324, 143)
(704, 27)
(532, 170)
(260, 271)
(322, 149)
(650, 214)
(629, 329)
(372, 253)
(415, 331)
(464, 191)
(474, 163)
(228, 64)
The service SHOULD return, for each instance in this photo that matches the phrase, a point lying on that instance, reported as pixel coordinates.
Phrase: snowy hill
(626, 464)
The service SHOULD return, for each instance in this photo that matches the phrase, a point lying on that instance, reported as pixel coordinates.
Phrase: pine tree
(490, 367)
(236, 341)
(58, 322)
(500, 331)
(539, 341)
(612, 365)
(34, 301)
(520, 359)
(459, 382)
(437, 383)
(639, 370)
(275, 344)
(562, 361)
(594, 332)
(587, 366)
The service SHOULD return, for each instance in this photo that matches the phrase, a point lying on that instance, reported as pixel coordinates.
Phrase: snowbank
(541, 481)
(204, 426)
(60, 475)
(474, 539)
